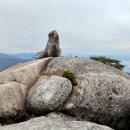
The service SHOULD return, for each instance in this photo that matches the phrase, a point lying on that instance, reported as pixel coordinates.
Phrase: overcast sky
(84, 26)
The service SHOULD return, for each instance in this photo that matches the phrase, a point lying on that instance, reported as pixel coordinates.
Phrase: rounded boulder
(50, 95)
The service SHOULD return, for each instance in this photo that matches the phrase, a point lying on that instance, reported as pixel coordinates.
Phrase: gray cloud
(85, 26)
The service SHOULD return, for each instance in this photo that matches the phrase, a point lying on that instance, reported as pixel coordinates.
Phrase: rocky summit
(30, 92)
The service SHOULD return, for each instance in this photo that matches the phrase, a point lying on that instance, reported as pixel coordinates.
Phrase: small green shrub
(71, 76)
(111, 62)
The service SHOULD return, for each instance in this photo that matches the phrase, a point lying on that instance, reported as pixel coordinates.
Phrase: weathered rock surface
(12, 99)
(49, 123)
(101, 98)
(49, 95)
(81, 66)
(52, 48)
(102, 94)
(62, 116)
(14, 85)
(26, 73)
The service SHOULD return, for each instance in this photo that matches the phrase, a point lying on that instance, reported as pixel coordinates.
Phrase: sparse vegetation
(111, 62)
(71, 76)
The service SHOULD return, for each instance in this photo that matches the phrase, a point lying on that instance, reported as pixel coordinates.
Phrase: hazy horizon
(114, 56)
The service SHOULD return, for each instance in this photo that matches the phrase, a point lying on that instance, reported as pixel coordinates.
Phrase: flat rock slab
(50, 123)
(25, 73)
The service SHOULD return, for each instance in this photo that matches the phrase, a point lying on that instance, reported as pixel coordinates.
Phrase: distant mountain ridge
(2, 55)
(24, 55)
(7, 61)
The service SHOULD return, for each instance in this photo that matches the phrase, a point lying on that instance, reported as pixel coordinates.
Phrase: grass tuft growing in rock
(71, 76)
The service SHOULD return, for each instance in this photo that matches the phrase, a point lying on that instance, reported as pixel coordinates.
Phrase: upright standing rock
(52, 48)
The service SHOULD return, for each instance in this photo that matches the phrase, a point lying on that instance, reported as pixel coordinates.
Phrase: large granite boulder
(102, 94)
(51, 123)
(14, 85)
(49, 95)
(81, 66)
